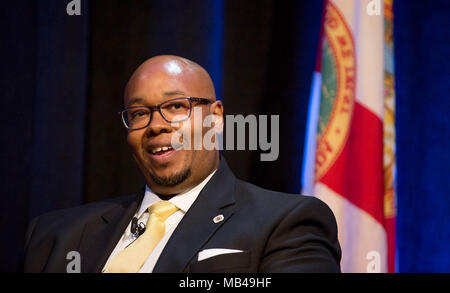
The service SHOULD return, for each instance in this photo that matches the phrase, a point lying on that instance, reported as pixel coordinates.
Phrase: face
(172, 171)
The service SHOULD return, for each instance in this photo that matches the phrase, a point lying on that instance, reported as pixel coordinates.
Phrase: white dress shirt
(182, 201)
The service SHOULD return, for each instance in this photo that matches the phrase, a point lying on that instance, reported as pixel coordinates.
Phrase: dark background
(62, 79)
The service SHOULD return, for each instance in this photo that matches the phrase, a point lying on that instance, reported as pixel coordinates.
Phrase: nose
(158, 125)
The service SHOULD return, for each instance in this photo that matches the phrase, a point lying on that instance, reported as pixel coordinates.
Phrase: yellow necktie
(131, 259)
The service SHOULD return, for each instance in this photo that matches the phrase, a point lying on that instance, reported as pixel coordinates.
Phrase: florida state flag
(349, 158)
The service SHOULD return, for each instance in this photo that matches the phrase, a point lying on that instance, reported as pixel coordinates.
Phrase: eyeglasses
(175, 110)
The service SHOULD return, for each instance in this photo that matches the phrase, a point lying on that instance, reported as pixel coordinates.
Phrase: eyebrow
(134, 101)
(165, 94)
(173, 93)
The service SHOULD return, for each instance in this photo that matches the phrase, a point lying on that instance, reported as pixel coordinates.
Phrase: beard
(172, 180)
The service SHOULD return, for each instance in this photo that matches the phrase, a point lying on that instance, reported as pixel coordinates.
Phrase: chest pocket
(225, 263)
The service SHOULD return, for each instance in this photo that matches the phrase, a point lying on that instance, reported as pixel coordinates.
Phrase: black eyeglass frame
(158, 108)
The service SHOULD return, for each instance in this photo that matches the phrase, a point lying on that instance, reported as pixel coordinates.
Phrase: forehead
(152, 88)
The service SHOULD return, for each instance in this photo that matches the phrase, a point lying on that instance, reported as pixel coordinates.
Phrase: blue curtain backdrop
(62, 79)
(422, 50)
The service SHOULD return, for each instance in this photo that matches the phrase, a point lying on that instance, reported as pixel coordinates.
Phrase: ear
(217, 109)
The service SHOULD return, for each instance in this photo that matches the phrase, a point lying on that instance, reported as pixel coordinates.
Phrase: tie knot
(163, 209)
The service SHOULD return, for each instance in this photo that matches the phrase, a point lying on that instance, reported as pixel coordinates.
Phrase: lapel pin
(218, 218)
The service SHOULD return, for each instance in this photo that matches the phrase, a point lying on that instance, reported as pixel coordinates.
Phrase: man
(198, 217)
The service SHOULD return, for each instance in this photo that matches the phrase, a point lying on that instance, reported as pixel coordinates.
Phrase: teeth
(158, 149)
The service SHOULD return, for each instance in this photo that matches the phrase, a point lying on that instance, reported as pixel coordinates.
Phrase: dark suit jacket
(278, 232)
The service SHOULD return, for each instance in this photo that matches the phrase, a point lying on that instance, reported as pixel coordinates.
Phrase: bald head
(169, 67)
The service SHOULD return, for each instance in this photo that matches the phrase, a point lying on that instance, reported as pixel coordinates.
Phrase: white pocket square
(207, 253)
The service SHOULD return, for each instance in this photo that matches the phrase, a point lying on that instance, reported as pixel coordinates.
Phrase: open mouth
(162, 154)
(158, 151)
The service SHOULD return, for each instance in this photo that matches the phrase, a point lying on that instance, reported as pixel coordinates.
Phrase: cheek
(134, 141)
(194, 128)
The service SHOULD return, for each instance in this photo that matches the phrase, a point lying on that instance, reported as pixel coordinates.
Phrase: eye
(176, 106)
(138, 113)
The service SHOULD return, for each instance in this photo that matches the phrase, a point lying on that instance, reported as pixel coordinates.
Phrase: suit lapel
(197, 226)
(101, 235)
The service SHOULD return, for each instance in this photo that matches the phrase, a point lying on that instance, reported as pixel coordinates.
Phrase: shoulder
(63, 219)
(301, 230)
(283, 211)
(279, 201)
(86, 209)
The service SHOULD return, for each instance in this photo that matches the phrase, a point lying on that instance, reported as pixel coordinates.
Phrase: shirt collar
(183, 201)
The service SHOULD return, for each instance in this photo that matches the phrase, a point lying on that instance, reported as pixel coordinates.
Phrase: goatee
(172, 180)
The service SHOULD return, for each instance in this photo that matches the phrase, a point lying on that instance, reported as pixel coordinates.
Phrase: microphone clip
(137, 229)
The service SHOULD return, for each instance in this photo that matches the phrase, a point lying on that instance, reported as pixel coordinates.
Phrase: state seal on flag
(337, 92)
